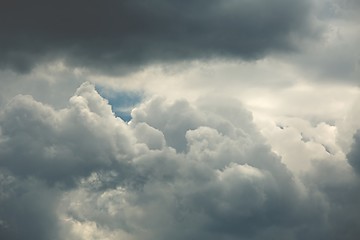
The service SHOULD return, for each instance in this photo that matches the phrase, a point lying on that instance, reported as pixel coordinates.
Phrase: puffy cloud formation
(175, 171)
(39, 141)
(132, 32)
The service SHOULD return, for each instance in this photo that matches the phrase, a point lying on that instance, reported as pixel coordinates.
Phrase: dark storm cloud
(131, 32)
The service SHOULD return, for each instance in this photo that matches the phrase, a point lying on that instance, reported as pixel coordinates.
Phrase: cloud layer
(162, 148)
(177, 170)
(133, 32)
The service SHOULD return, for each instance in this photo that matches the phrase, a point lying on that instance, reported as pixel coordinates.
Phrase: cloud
(28, 209)
(354, 154)
(334, 58)
(177, 170)
(107, 34)
(338, 186)
(39, 141)
(165, 152)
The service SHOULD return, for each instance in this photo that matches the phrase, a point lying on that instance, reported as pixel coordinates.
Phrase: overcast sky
(177, 119)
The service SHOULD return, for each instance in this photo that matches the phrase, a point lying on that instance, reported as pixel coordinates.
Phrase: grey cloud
(41, 84)
(335, 183)
(335, 56)
(354, 154)
(197, 201)
(28, 209)
(110, 33)
(39, 141)
(174, 120)
(135, 181)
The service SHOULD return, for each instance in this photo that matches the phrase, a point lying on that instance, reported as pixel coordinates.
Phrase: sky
(177, 119)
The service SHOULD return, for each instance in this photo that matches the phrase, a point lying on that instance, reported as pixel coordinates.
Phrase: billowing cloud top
(176, 171)
(108, 33)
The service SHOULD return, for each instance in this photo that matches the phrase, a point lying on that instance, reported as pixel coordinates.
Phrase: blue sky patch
(122, 102)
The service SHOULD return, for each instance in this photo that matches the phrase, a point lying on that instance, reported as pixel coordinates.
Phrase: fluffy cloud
(39, 141)
(108, 33)
(176, 170)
